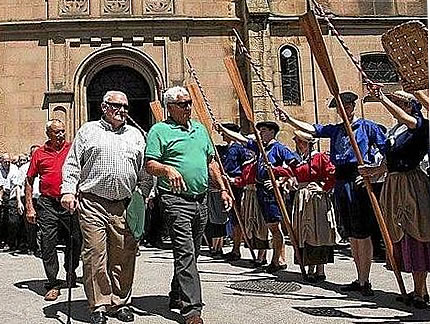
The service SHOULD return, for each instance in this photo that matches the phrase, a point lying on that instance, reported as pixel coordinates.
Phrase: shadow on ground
(381, 300)
(155, 305)
(79, 311)
(38, 285)
(142, 306)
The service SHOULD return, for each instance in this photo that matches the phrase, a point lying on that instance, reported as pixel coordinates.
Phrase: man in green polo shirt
(180, 153)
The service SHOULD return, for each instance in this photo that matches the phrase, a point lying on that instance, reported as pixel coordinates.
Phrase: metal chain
(321, 12)
(137, 125)
(193, 74)
(243, 50)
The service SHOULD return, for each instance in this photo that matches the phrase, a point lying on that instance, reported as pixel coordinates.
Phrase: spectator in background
(33, 239)
(10, 218)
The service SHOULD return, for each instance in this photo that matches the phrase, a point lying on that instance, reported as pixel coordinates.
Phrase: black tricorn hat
(268, 124)
(232, 126)
(347, 97)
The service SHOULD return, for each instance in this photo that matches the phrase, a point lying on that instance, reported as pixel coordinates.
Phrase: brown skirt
(405, 203)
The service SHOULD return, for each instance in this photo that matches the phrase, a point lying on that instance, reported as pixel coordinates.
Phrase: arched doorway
(127, 80)
(122, 68)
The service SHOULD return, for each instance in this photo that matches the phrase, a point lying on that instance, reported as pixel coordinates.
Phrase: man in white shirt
(10, 217)
(33, 239)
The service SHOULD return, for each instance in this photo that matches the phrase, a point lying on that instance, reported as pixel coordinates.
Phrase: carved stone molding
(74, 7)
(158, 6)
(116, 7)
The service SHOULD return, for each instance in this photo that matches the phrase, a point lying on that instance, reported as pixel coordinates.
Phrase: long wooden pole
(236, 79)
(199, 106)
(316, 42)
(157, 110)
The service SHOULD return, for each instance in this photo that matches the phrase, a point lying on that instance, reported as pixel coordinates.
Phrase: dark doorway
(125, 79)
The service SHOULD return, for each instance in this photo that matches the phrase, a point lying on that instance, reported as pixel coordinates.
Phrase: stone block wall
(22, 84)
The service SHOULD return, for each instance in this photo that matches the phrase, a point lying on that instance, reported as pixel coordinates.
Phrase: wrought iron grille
(291, 93)
(379, 68)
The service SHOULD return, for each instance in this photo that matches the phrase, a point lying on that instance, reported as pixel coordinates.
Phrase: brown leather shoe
(52, 294)
(195, 319)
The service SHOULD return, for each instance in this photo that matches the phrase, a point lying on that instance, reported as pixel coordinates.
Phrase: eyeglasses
(116, 105)
(182, 104)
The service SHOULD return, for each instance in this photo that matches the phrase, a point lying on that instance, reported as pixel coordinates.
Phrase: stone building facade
(58, 57)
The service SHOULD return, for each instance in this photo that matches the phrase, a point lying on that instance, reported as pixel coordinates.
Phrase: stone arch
(103, 58)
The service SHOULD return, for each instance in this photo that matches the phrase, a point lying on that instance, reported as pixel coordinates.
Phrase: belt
(198, 197)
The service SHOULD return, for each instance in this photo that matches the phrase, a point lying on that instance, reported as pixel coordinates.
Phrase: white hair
(51, 122)
(172, 94)
(111, 93)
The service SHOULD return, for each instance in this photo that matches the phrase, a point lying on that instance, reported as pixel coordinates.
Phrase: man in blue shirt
(352, 203)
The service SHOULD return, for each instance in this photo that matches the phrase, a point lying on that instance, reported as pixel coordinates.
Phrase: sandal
(52, 294)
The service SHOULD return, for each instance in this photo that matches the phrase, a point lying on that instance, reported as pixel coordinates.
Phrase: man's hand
(176, 181)
(375, 90)
(313, 186)
(31, 215)
(228, 201)
(69, 202)
(20, 207)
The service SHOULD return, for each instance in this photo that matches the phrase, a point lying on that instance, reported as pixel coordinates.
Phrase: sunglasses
(117, 106)
(183, 104)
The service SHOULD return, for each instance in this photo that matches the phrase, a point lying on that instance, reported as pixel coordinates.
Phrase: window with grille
(291, 93)
(379, 68)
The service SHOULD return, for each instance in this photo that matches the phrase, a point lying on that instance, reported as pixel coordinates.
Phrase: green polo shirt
(188, 150)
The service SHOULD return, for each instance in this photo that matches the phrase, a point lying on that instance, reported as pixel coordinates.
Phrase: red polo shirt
(48, 164)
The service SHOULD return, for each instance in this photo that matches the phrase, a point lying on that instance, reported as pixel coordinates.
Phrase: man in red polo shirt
(47, 163)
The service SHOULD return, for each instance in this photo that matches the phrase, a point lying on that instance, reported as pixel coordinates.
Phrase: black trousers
(17, 236)
(32, 231)
(51, 219)
(186, 219)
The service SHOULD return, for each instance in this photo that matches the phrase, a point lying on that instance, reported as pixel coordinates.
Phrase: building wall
(267, 34)
(43, 45)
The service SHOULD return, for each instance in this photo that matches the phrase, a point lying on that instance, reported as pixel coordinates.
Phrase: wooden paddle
(202, 114)
(316, 42)
(236, 79)
(157, 110)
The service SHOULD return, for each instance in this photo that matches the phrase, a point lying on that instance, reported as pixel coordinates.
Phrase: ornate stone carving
(116, 7)
(74, 7)
(158, 6)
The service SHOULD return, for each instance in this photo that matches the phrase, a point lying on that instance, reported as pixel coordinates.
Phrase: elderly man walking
(46, 163)
(180, 154)
(104, 166)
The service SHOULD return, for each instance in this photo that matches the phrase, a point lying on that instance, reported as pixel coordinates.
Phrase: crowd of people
(81, 192)
(16, 233)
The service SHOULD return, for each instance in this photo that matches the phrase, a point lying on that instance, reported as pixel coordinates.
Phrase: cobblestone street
(293, 300)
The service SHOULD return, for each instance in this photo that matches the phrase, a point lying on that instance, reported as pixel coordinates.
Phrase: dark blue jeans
(186, 219)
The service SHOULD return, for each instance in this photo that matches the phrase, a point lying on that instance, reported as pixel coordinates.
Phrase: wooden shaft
(201, 111)
(285, 217)
(316, 42)
(423, 98)
(233, 72)
(157, 110)
(236, 79)
(375, 205)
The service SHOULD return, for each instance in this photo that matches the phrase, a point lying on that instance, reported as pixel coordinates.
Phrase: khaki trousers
(108, 252)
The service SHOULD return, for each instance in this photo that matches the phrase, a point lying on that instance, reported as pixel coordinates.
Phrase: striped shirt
(104, 161)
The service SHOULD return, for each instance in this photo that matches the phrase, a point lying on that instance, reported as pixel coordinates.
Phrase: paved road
(21, 294)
